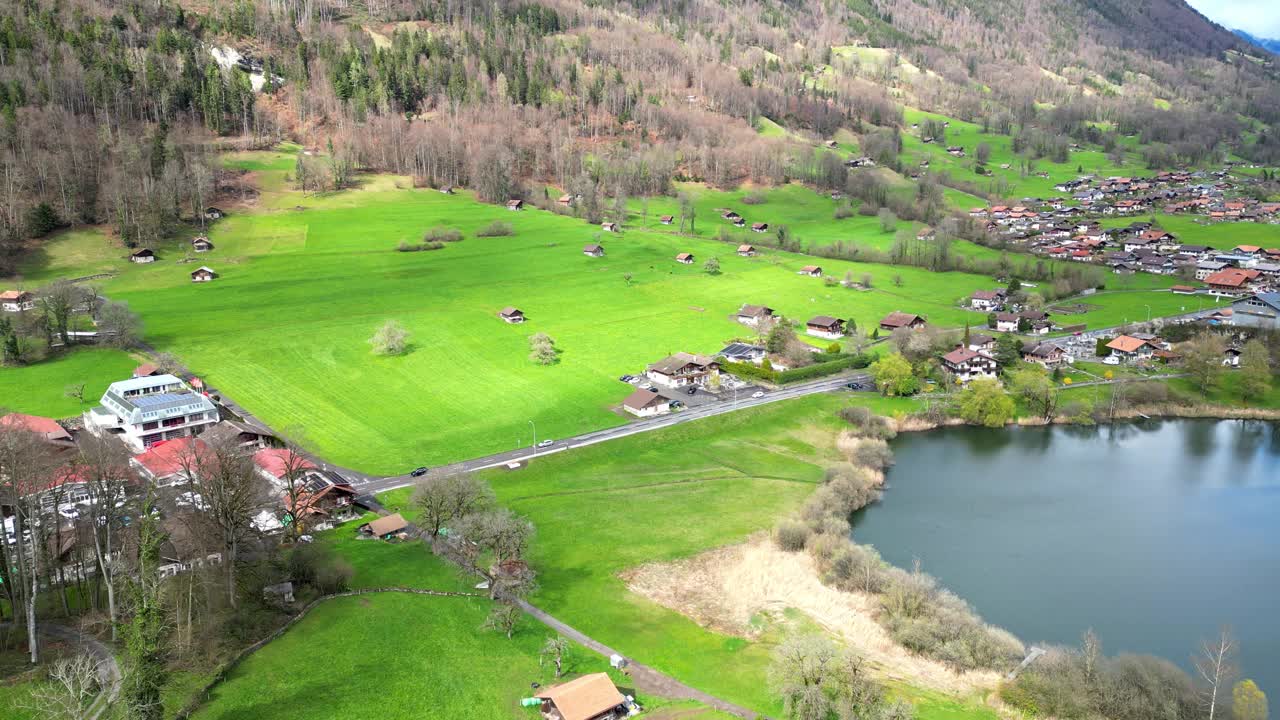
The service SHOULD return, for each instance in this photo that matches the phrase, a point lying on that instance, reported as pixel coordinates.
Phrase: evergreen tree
(145, 632)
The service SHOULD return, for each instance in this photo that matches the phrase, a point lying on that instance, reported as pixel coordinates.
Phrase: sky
(1260, 18)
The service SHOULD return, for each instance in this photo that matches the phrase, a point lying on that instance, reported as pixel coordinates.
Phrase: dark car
(627, 378)
(854, 386)
(419, 472)
(691, 391)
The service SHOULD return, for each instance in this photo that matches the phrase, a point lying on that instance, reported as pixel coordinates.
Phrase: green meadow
(1197, 230)
(40, 389)
(1018, 185)
(599, 510)
(305, 281)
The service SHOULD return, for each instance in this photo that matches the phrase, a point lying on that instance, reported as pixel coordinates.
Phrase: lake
(1154, 534)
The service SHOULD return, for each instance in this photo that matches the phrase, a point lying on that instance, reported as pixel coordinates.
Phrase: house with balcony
(143, 411)
(964, 365)
(684, 369)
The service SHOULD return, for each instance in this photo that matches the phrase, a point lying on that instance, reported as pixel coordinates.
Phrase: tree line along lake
(1155, 534)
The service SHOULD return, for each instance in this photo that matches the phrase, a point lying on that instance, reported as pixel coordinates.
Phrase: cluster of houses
(170, 429)
(738, 221)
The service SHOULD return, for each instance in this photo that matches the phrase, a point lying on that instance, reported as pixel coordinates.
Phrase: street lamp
(535, 438)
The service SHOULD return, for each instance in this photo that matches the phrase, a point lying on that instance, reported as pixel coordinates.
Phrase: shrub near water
(917, 613)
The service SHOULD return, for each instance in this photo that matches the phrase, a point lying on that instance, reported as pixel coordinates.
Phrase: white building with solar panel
(144, 411)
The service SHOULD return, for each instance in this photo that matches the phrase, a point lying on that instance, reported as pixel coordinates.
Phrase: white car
(191, 499)
(546, 443)
(69, 512)
(758, 394)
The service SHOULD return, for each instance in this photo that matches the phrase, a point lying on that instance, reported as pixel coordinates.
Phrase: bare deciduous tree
(70, 691)
(1215, 664)
(447, 499)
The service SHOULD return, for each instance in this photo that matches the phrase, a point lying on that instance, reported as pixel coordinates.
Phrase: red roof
(960, 355)
(170, 457)
(276, 461)
(36, 424)
(145, 370)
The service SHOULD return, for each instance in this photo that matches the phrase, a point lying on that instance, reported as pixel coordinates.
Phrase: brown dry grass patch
(723, 589)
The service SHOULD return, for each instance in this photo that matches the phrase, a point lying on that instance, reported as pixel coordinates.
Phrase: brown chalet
(323, 495)
(685, 258)
(385, 527)
(511, 315)
(811, 270)
(203, 274)
(684, 369)
(965, 364)
(759, 227)
(754, 314)
(1045, 354)
(593, 250)
(590, 697)
(895, 320)
(747, 250)
(825, 326)
(515, 205)
(666, 219)
(646, 403)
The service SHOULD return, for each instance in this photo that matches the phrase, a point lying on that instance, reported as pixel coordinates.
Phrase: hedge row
(747, 371)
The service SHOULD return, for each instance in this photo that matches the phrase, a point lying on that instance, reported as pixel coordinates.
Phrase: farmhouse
(143, 411)
(811, 270)
(238, 433)
(202, 274)
(324, 495)
(759, 227)
(685, 258)
(47, 428)
(646, 403)
(1261, 311)
(201, 243)
(172, 462)
(514, 205)
(965, 365)
(1045, 354)
(384, 527)
(897, 319)
(825, 326)
(747, 250)
(565, 200)
(731, 215)
(17, 301)
(982, 343)
(593, 250)
(1127, 347)
(511, 315)
(666, 219)
(609, 227)
(590, 697)
(144, 255)
(684, 369)
(754, 314)
(1231, 280)
(986, 300)
(275, 465)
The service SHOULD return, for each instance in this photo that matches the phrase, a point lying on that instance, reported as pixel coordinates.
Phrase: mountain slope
(1270, 45)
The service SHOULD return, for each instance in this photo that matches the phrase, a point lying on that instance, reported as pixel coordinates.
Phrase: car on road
(855, 386)
(676, 404)
(419, 471)
(69, 512)
(691, 391)
(627, 378)
(546, 443)
(758, 394)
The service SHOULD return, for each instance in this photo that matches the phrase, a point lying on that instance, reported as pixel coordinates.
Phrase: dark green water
(1154, 534)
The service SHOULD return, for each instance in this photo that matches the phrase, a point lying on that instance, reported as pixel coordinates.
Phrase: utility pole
(535, 438)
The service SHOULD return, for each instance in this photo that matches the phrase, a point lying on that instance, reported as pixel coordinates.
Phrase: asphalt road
(369, 484)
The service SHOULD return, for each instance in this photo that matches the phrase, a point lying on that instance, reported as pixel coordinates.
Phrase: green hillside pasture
(40, 389)
(968, 135)
(285, 328)
(1196, 230)
(424, 657)
(809, 216)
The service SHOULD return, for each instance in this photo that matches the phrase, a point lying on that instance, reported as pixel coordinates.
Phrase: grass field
(39, 389)
(1195, 230)
(396, 655)
(968, 135)
(285, 328)
(599, 510)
